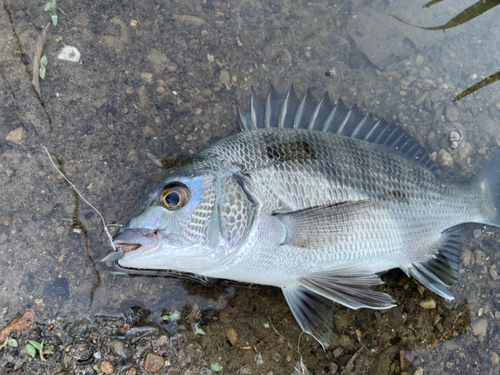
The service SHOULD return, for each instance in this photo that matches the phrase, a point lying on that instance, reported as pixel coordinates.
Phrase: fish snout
(135, 238)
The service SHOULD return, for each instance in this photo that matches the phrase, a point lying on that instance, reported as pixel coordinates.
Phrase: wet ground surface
(161, 78)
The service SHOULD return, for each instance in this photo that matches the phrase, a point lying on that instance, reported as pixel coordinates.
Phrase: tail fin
(489, 179)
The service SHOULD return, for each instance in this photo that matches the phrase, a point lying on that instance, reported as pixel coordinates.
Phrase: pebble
(107, 367)
(479, 328)
(6, 220)
(428, 303)
(338, 352)
(158, 59)
(189, 20)
(406, 358)
(15, 135)
(121, 349)
(419, 60)
(81, 350)
(232, 336)
(147, 77)
(131, 371)
(494, 357)
(153, 362)
(333, 367)
(80, 327)
(444, 158)
(493, 273)
(482, 150)
(60, 230)
(9, 172)
(225, 79)
(395, 75)
(480, 257)
(69, 53)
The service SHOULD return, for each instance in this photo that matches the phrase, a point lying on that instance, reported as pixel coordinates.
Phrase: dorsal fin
(307, 113)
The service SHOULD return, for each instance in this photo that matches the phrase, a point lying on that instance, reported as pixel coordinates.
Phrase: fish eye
(174, 196)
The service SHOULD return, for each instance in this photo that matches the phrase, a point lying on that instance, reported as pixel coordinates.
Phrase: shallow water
(161, 78)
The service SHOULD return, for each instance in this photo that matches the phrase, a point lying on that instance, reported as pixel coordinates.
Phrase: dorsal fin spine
(341, 127)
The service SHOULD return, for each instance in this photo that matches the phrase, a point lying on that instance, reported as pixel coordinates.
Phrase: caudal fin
(489, 178)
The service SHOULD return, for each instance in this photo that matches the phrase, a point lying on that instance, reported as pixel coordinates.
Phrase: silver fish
(313, 198)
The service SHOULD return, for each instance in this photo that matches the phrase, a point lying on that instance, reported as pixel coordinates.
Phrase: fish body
(315, 199)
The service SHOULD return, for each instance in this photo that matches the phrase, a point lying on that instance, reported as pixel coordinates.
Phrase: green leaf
(265, 67)
(37, 345)
(216, 367)
(31, 350)
(13, 343)
(198, 330)
(154, 159)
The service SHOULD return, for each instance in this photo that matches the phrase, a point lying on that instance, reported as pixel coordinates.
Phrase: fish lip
(134, 239)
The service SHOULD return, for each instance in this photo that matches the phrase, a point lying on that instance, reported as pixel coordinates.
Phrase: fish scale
(316, 199)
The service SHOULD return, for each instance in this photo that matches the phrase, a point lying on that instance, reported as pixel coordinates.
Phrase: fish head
(174, 227)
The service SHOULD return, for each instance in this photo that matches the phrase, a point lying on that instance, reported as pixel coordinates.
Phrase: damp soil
(156, 83)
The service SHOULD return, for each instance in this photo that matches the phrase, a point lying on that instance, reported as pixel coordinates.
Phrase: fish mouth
(137, 239)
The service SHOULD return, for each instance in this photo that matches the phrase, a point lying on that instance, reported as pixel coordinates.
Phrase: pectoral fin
(313, 312)
(322, 227)
(311, 298)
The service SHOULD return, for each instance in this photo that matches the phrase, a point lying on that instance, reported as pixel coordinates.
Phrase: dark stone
(80, 327)
(121, 349)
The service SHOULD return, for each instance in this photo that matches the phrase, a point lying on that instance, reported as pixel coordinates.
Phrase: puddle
(156, 83)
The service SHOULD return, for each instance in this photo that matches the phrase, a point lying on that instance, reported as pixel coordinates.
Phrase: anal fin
(441, 271)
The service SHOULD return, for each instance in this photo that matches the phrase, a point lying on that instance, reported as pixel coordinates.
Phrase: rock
(466, 257)
(153, 362)
(479, 328)
(333, 367)
(444, 158)
(121, 349)
(147, 77)
(225, 79)
(494, 358)
(428, 303)
(232, 336)
(16, 135)
(107, 367)
(480, 257)
(189, 20)
(419, 60)
(81, 350)
(337, 352)
(406, 358)
(493, 273)
(489, 125)
(159, 60)
(20, 323)
(80, 327)
(6, 220)
(69, 53)
(116, 43)
(452, 113)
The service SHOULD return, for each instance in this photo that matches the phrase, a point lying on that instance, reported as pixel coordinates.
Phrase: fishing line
(86, 201)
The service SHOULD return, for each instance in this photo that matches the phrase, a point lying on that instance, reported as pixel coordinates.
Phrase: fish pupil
(172, 199)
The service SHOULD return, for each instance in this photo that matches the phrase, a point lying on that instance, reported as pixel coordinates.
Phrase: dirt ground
(157, 82)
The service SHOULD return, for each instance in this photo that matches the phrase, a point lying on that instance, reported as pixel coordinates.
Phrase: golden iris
(174, 197)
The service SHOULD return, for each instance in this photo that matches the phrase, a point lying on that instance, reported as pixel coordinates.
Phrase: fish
(316, 199)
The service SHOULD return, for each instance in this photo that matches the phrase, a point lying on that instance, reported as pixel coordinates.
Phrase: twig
(36, 60)
(81, 196)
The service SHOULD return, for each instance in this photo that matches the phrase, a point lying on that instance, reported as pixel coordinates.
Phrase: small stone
(338, 352)
(452, 113)
(80, 327)
(482, 150)
(494, 357)
(419, 60)
(480, 257)
(428, 303)
(147, 77)
(189, 20)
(204, 32)
(479, 328)
(433, 156)
(153, 362)
(6, 220)
(9, 172)
(158, 59)
(69, 53)
(225, 79)
(444, 158)
(121, 349)
(493, 274)
(333, 367)
(232, 336)
(498, 106)
(81, 350)
(107, 367)
(160, 89)
(16, 135)
(131, 371)
(60, 230)
(406, 358)
(172, 67)
(210, 58)
(395, 75)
